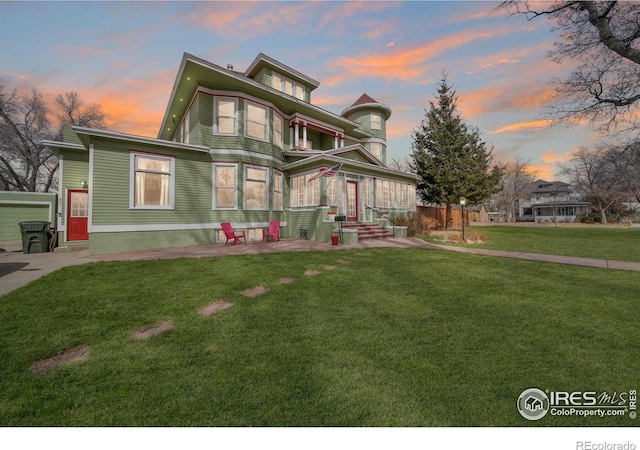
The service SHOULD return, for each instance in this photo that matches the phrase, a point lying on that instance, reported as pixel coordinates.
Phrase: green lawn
(394, 337)
(613, 243)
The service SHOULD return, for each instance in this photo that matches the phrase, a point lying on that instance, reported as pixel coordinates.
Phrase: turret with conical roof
(372, 117)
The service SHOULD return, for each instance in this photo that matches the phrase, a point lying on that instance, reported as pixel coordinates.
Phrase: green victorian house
(242, 147)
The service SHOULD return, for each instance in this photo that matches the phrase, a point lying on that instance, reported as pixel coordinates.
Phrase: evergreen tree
(450, 158)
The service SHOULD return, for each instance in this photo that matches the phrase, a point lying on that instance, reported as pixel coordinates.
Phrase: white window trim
(294, 194)
(266, 121)
(216, 99)
(132, 180)
(297, 90)
(281, 192)
(235, 186)
(281, 144)
(267, 187)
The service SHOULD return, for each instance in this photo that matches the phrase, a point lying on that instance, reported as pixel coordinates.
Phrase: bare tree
(516, 180)
(604, 38)
(401, 165)
(25, 163)
(70, 112)
(597, 175)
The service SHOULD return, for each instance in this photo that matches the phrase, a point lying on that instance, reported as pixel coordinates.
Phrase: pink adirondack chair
(274, 231)
(231, 234)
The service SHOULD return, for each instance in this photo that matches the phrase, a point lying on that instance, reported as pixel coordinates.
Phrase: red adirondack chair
(231, 234)
(274, 231)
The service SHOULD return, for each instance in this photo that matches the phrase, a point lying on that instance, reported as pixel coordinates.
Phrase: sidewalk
(18, 269)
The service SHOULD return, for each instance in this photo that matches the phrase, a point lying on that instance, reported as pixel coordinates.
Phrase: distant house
(242, 147)
(477, 213)
(551, 201)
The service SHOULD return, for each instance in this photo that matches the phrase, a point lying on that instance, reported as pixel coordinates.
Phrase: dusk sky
(125, 56)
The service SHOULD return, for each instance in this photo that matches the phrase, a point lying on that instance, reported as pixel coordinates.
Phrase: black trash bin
(35, 236)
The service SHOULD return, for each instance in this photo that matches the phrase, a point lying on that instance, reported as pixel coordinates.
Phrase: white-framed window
(152, 181)
(382, 193)
(411, 197)
(278, 123)
(331, 189)
(287, 86)
(376, 121)
(402, 195)
(256, 121)
(368, 198)
(304, 191)
(225, 186)
(278, 189)
(376, 149)
(256, 187)
(226, 116)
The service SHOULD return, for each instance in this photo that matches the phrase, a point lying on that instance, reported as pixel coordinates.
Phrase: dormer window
(287, 86)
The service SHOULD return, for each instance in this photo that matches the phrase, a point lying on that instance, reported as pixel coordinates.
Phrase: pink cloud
(402, 64)
(533, 125)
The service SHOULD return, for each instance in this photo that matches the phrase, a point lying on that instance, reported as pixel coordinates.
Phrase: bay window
(277, 129)
(226, 116)
(256, 122)
(225, 186)
(256, 193)
(277, 190)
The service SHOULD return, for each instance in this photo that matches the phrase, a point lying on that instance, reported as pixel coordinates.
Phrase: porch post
(304, 135)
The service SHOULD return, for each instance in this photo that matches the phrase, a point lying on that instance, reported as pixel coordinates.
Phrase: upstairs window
(376, 121)
(226, 116)
(277, 129)
(376, 149)
(152, 181)
(256, 121)
(287, 86)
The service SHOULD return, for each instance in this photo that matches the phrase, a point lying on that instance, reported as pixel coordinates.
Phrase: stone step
(368, 230)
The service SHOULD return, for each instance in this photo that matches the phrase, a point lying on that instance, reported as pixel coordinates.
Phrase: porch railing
(393, 224)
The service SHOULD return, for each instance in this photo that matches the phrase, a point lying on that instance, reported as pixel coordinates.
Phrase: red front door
(77, 215)
(352, 201)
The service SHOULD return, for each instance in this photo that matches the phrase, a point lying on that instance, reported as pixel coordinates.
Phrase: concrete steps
(368, 230)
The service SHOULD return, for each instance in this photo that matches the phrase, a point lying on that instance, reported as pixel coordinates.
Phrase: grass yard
(612, 243)
(379, 337)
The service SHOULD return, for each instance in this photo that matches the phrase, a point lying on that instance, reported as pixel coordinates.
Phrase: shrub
(428, 224)
(411, 220)
(416, 223)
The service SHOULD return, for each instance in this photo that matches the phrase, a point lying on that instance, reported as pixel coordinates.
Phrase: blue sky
(125, 56)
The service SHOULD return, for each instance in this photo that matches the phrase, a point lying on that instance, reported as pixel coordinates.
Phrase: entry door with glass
(77, 215)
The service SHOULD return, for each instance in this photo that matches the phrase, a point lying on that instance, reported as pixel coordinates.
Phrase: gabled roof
(331, 157)
(263, 60)
(542, 186)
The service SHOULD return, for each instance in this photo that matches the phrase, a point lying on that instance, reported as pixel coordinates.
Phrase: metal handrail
(384, 217)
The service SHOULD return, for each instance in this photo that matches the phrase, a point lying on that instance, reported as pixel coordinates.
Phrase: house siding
(115, 225)
(75, 169)
(111, 187)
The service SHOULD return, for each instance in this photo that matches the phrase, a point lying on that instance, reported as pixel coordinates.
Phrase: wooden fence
(439, 213)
